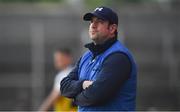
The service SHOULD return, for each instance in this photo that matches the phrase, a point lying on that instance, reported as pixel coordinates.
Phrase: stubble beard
(98, 39)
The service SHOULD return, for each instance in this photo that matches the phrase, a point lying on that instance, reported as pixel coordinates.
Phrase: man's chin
(93, 37)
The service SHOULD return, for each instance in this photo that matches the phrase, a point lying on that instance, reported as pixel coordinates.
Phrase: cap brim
(88, 16)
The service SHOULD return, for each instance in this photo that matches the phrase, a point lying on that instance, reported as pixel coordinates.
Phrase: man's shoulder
(86, 54)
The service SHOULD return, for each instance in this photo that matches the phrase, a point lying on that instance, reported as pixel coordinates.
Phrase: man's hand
(86, 84)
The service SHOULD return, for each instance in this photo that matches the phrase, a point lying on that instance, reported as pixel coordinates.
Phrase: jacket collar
(100, 48)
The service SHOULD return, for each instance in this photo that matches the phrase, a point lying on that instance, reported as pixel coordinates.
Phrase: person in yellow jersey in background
(62, 62)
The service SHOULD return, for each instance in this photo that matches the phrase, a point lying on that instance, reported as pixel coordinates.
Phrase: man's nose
(93, 24)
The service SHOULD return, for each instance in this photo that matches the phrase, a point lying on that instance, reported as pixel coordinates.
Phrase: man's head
(62, 58)
(103, 24)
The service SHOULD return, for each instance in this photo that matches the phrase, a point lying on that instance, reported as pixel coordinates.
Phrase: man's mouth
(93, 32)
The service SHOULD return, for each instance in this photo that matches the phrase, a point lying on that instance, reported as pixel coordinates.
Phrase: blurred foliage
(9, 1)
(91, 3)
(96, 3)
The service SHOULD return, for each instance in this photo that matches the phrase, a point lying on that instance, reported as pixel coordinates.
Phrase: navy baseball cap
(104, 13)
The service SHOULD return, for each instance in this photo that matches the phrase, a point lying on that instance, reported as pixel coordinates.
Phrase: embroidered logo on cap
(99, 9)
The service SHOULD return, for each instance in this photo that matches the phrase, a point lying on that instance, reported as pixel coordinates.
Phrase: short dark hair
(64, 50)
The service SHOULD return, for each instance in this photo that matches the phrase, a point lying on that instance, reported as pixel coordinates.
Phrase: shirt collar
(100, 48)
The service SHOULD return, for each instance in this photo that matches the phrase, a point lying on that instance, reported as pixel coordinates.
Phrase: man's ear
(113, 28)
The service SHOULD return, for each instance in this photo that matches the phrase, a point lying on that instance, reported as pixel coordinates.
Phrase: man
(62, 61)
(104, 79)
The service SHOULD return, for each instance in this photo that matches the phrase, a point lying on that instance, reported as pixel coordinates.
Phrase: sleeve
(71, 85)
(115, 71)
(57, 80)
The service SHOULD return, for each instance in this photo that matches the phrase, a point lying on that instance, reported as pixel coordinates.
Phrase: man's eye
(100, 21)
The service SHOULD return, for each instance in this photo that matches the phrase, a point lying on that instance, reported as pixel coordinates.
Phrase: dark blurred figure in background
(62, 62)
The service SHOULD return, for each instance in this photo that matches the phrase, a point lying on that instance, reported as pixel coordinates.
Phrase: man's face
(61, 60)
(99, 30)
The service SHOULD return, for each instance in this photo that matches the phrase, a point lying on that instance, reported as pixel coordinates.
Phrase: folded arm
(115, 71)
(71, 85)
